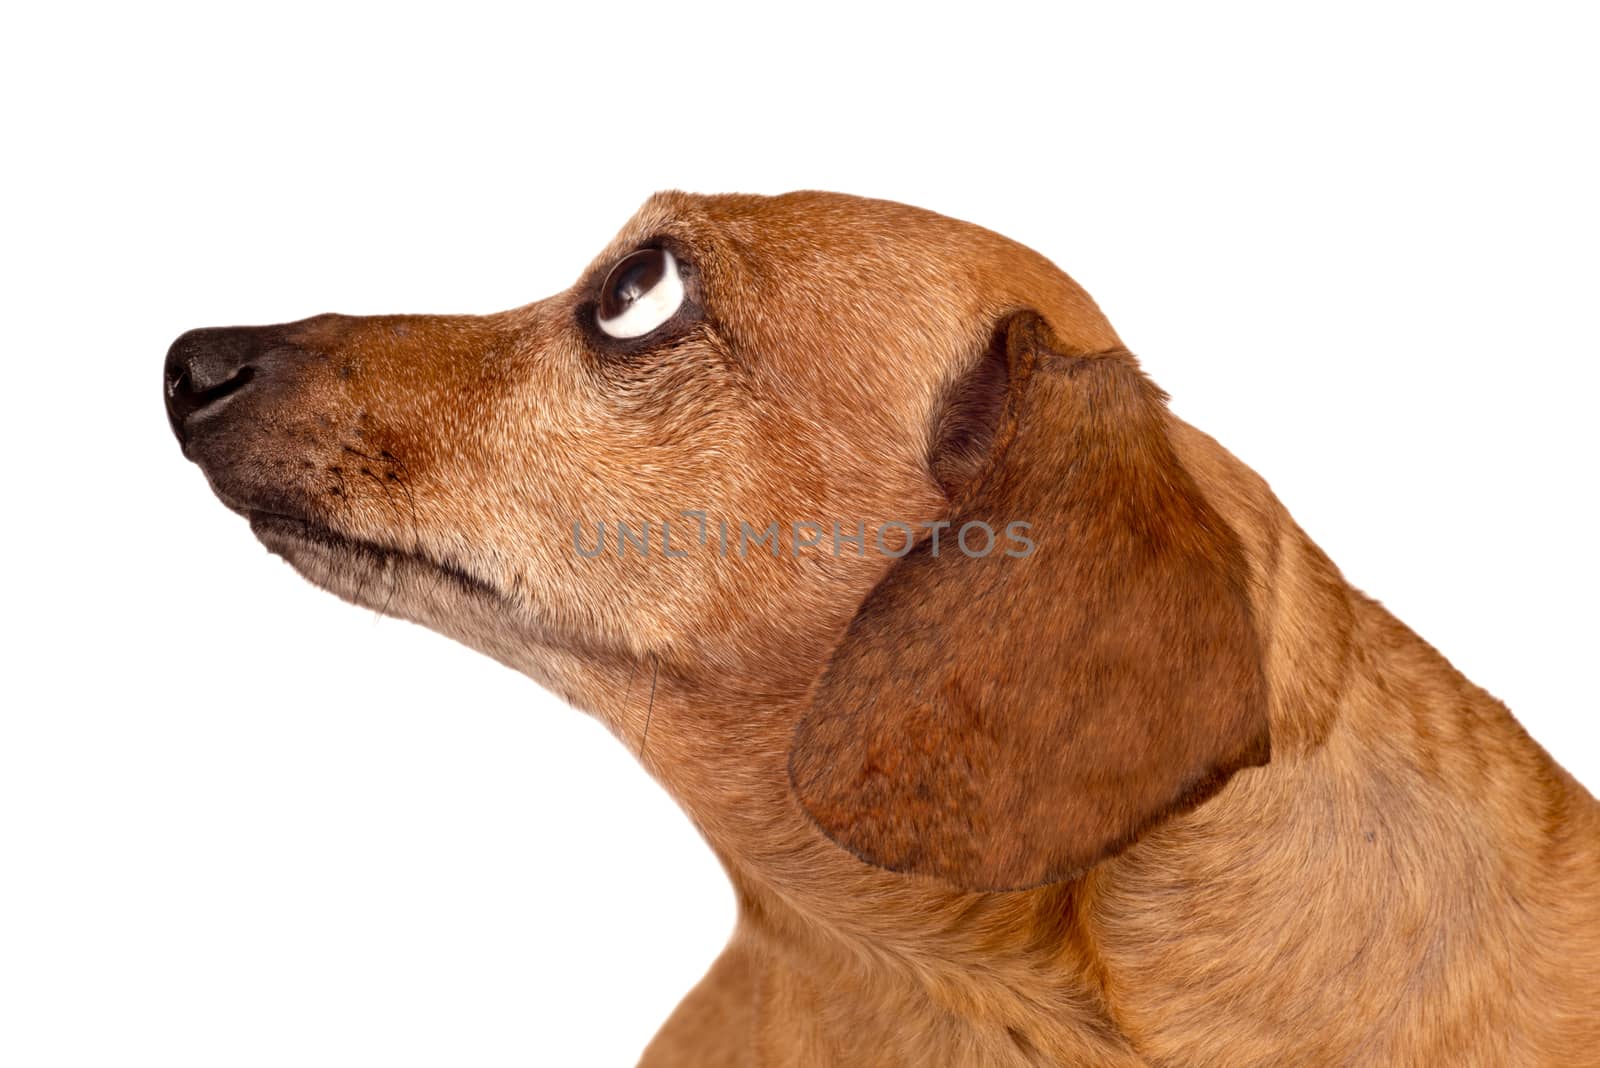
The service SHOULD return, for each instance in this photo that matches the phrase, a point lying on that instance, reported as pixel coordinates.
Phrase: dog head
(875, 497)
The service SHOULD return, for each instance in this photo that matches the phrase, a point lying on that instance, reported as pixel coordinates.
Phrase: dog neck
(1158, 954)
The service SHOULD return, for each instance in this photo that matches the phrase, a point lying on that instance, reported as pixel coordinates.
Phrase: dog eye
(642, 291)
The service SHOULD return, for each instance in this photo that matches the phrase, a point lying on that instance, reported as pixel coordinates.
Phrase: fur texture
(1241, 814)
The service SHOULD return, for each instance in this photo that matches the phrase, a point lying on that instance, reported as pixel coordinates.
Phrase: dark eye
(642, 291)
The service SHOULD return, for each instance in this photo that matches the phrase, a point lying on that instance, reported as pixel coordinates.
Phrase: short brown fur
(1242, 815)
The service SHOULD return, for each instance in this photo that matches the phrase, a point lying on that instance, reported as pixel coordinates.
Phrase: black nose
(204, 366)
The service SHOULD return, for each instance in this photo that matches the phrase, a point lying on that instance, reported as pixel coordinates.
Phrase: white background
(242, 823)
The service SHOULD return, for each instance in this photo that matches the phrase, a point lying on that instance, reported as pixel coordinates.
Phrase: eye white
(648, 310)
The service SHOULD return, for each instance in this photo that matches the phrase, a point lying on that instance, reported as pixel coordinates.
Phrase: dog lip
(267, 516)
(305, 530)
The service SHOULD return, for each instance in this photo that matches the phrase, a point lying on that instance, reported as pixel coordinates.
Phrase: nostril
(204, 367)
(184, 397)
(204, 397)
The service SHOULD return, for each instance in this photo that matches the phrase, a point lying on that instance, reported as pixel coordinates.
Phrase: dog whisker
(649, 711)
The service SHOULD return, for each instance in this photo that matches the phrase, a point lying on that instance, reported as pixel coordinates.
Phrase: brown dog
(1122, 772)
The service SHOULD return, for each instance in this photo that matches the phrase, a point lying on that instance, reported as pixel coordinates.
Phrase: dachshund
(1028, 726)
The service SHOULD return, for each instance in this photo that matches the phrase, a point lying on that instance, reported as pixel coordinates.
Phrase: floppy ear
(1008, 719)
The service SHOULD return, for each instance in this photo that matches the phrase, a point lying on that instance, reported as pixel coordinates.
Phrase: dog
(1028, 726)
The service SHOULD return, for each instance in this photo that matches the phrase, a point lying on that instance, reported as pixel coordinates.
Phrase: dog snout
(205, 367)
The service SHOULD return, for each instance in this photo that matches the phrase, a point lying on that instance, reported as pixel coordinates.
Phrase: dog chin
(396, 582)
(438, 596)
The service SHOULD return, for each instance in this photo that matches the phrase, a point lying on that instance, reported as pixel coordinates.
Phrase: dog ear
(1006, 719)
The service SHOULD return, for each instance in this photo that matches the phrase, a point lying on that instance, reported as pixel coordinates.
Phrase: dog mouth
(362, 571)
